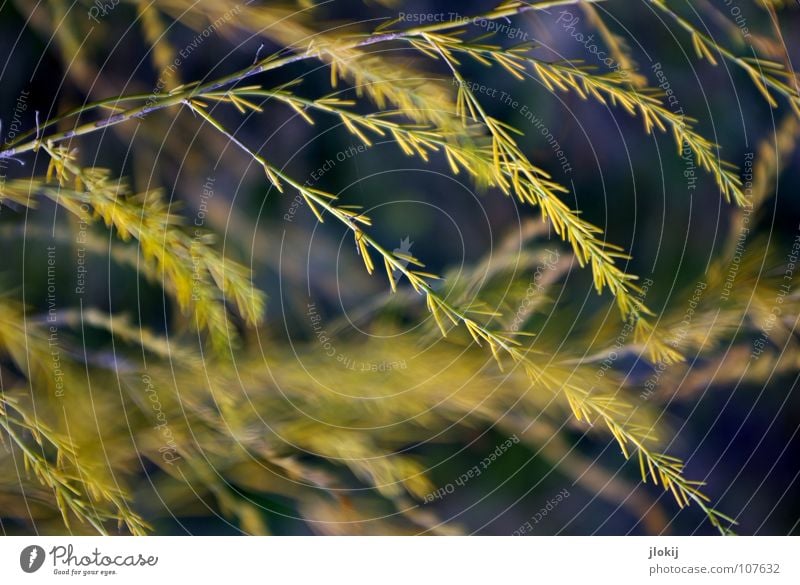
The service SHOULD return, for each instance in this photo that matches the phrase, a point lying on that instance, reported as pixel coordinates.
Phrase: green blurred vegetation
(163, 396)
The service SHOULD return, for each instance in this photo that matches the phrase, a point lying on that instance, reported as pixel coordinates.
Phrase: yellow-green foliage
(247, 421)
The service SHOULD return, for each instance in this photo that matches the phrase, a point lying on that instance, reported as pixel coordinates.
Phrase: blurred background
(740, 436)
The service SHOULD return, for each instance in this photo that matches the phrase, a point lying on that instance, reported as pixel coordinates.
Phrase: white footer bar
(400, 560)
